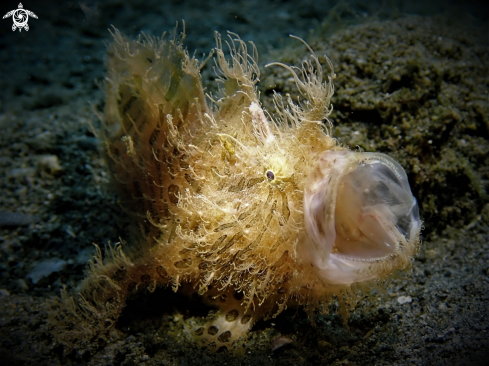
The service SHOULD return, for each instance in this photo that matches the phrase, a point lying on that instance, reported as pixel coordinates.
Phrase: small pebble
(15, 219)
(45, 268)
(279, 342)
(404, 299)
(324, 345)
(50, 164)
(4, 293)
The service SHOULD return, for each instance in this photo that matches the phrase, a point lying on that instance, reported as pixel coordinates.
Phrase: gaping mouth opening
(376, 213)
(361, 219)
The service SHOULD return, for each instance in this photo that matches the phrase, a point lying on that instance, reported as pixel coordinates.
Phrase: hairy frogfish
(253, 213)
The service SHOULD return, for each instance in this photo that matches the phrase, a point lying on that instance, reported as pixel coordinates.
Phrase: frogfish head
(361, 219)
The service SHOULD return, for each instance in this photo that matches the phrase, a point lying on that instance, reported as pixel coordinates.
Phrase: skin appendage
(250, 212)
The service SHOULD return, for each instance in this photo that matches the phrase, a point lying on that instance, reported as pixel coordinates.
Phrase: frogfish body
(250, 212)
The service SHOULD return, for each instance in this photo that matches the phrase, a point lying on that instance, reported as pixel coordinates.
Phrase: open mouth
(361, 219)
(375, 211)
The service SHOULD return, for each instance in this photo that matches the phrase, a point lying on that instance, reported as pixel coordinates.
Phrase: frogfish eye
(270, 175)
(361, 219)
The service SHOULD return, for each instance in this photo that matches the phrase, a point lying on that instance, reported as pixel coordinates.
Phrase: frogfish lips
(361, 219)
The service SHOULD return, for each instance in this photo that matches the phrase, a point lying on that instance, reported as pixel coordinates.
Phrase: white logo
(20, 17)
